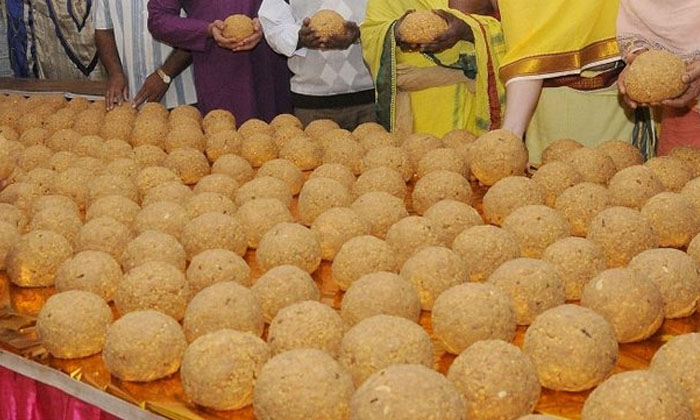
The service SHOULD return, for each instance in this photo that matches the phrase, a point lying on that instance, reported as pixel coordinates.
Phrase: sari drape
(457, 88)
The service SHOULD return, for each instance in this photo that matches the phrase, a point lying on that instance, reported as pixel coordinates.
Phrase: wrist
(163, 76)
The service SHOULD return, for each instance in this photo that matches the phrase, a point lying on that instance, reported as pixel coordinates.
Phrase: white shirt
(140, 54)
(316, 73)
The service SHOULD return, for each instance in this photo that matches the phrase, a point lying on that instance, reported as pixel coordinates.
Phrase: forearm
(522, 97)
(279, 26)
(166, 25)
(177, 62)
(107, 50)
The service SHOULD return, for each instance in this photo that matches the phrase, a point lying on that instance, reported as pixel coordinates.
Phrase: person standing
(244, 77)
(644, 25)
(330, 79)
(139, 68)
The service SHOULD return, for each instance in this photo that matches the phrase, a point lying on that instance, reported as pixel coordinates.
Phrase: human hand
(215, 30)
(153, 90)
(308, 38)
(252, 41)
(343, 42)
(117, 91)
(403, 45)
(456, 31)
(692, 93)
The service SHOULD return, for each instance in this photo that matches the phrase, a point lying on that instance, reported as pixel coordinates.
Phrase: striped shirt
(140, 54)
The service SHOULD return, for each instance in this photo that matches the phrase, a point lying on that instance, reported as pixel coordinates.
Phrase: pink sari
(672, 25)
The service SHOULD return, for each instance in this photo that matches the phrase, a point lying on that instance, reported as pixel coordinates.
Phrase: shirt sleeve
(280, 28)
(101, 16)
(167, 25)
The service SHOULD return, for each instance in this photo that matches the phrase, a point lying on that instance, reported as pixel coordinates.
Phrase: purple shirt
(252, 84)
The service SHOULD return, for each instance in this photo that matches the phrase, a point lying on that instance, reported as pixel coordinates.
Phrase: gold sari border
(563, 62)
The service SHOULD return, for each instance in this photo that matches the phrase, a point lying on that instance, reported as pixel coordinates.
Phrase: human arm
(166, 25)
(117, 87)
(522, 97)
(281, 30)
(154, 88)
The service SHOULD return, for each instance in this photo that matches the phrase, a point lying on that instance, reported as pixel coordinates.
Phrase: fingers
(125, 93)
(692, 73)
(109, 98)
(141, 97)
(683, 100)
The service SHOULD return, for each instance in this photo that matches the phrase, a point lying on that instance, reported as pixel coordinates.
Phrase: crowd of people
(542, 69)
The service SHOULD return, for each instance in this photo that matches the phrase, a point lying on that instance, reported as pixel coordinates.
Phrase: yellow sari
(553, 38)
(455, 89)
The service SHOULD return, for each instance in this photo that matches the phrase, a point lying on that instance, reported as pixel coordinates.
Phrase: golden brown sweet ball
(496, 155)
(223, 305)
(692, 191)
(104, 234)
(78, 104)
(440, 185)
(155, 109)
(149, 155)
(260, 215)
(286, 120)
(222, 143)
(214, 230)
(217, 183)
(62, 140)
(144, 346)
(340, 173)
(151, 131)
(7, 163)
(555, 178)
(54, 201)
(105, 185)
(89, 122)
(300, 384)
(421, 27)
(163, 216)
(153, 176)
(307, 324)
(623, 153)
(572, 347)
(633, 186)
(334, 135)
(91, 271)
(484, 249)
(655, 76)
(674, 217)
(319, 195)
(258, 149)
(316, 129)
(35, 258)
(9, 133)
(581, 203)
(286, 133)
(345, 151)
(380, 293)
(688, 154)
(185, 111)
(34, 136)
(365, 128)
(362, 255)
(380, 179)
(234, 166)
(283, 286)
(90, 146)
(255, 126)
(57, 219)
(673, 173)
(509, 194)
(32, 119)
(117, 149)
(238, 27)
(327, 24)
(412, 234)
(44, 178)
(593, 164)
(264, 187)
(185, 136)
(189, 164)
(63, 118)
(153, 285)
(679, 360)
(336, 226)
(153, 246)
(289, 244)
(21, 194)
(169, 191)
(457, 139)
(73, 183)
(215, 266)
(641, 395)
(129, 168)
(622, 233)
(34, 157)
(208, 202)
(218, 120)
(304, 153)
(559, 149)
(115, 129)
(285, 171)
(9, 116)
(376, 139)
(60, 161)
(219, 370)
(73, 324)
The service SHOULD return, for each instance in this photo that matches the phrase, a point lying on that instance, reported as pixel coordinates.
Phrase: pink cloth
(679, 127)
(22, 398)
(673, 25)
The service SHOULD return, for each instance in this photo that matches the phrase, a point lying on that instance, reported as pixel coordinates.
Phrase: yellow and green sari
(456, 89)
